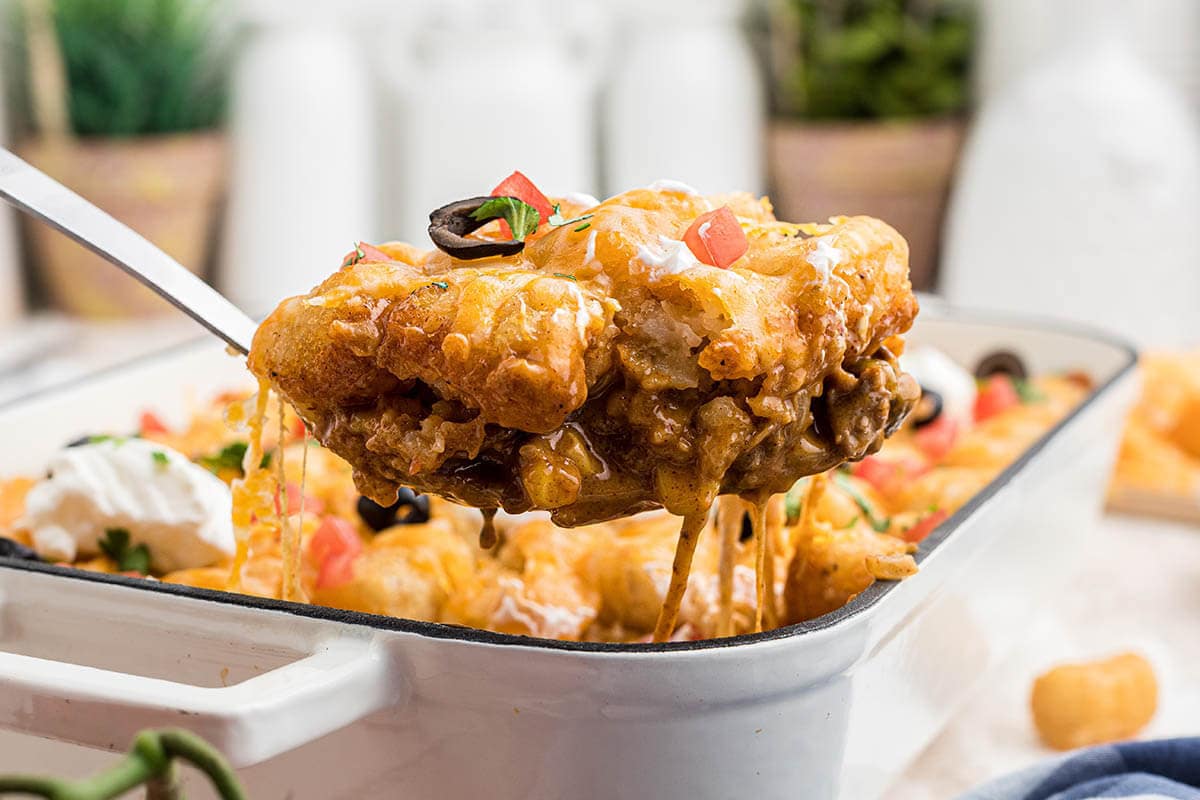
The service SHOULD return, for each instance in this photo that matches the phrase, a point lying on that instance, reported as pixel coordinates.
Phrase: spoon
(44, 198)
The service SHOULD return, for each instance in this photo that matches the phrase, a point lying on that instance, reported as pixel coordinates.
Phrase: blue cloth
(1168, 768)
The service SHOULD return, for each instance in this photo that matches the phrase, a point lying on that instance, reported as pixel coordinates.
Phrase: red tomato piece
(876, 471)
(373, 253)
(369, 253)
(333, 549)
(937, 438)
(716, 238)
(520, 187)
(924, 526)
(298, 428)
(150, 422)
(311, 504)
(997, 395)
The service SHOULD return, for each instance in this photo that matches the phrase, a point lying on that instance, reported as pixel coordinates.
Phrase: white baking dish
(326, 704)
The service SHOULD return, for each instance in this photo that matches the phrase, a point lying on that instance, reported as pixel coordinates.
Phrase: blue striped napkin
(1168, 769)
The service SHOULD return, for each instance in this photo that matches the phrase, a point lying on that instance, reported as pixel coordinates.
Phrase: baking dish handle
(342, 681)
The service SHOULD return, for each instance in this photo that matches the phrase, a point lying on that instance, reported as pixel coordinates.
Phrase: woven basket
(898, 171)
(167, 188)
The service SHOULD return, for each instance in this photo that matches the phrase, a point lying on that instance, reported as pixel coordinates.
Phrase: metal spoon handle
(42, 197)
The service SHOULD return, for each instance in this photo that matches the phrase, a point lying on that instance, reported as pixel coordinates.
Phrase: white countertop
(1139, 589)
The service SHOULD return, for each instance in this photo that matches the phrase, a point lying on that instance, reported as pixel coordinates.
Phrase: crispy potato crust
(586, 377)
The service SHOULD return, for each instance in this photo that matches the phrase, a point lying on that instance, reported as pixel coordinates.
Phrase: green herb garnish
(115, 545)
(160, 458)
(104, 437)
(853, 521)
(557, 220)
(1027, 391)
(441, 285)
(231, 456)
(880, 524)
(355, 256)
(565, 275)
(521, 217)
(794, 499)
(583, 227)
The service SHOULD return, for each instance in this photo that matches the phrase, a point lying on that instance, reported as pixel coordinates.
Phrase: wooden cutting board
(1129, 500)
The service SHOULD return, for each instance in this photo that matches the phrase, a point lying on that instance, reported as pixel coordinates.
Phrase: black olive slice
(1002, 362)
(929, 408)
(410, 508)
(10, 548)
(450, 224)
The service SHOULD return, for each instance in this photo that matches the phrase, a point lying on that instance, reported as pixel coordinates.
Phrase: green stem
(204, 757)
(165, 786)
(33, 784)
(150, 760)
(113, 783)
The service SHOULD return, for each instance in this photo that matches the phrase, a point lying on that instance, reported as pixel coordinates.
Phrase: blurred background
(1039, 156)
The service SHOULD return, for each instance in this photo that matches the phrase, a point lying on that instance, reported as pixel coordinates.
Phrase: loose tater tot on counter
(1093, 702)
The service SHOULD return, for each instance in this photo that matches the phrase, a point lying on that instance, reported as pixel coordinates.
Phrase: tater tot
(1093, 702)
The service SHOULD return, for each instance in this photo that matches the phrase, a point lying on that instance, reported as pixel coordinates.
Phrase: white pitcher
(481, 88)
(1079, 192)
(302, 188)
(685, 99)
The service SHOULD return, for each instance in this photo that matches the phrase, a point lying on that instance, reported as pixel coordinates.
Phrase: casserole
(324, 703)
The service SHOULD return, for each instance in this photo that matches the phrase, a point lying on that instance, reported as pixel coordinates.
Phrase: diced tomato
(520, 187)
(373, 253)
(333, 549)
(998, 394)
(875, 471)
(886, 475)
(369, 253)
(311, 504)
(924, 526)
(937, 438)
(298, 428)
(716, 238)
(150, 422)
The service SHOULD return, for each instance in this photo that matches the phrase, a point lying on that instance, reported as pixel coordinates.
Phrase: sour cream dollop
(670, 257)
(666, 185)
(935, 370)
(179, 510)
(825, 257)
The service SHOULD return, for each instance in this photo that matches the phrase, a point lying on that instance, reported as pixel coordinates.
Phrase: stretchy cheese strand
(689, 535)
(245, 488)
(759, 521)
(729, 527)
(289, 535)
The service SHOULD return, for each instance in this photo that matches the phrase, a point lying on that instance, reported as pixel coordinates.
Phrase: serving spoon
(44, 198)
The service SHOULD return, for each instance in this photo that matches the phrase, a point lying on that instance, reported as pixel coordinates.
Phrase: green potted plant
(126, 99)
(868, 99)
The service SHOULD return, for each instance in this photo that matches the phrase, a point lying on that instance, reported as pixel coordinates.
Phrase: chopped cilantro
(160, 458)
(104, 437)
(521, 217)
(115, 545)
(565, 275)
(231, 456)
(441, 285)
(853, 521)
(880, 524)
(1028, 391)
(794, 499)
(583, 227)
(557, 221)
